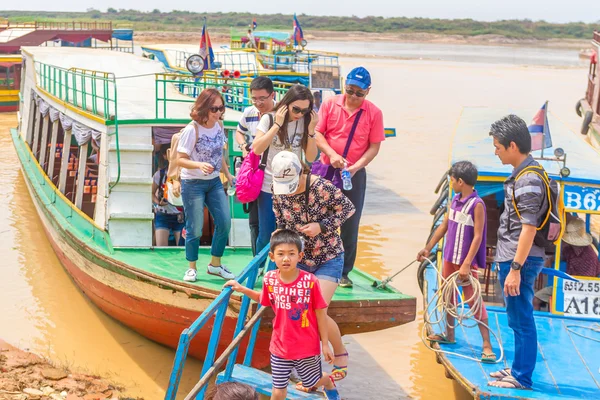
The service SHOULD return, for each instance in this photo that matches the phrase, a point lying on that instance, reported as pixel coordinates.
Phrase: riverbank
(221, 36)
(25, 376)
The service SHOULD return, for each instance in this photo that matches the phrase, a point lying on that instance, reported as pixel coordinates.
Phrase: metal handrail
(218, 309)
(236, 92)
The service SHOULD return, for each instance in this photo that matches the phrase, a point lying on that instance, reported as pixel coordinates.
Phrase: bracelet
(311, 136)
(278, 126)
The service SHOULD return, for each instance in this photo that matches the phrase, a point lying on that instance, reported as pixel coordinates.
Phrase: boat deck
(567, 365)
(135, 80)
(170, 263)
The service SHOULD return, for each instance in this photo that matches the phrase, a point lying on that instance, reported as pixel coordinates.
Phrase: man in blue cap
(349, 134)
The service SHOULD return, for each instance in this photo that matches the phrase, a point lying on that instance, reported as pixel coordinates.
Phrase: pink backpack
(250, 177)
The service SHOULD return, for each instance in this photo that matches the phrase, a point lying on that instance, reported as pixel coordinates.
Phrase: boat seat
(262, 383)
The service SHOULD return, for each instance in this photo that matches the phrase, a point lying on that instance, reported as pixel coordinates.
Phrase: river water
(42, 310)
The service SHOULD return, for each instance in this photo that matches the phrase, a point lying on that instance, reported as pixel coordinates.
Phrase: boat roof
(473, 143)
(135, 76)
(13, 33)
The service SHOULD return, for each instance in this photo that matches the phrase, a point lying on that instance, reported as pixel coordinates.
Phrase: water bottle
(237, 165)
(346, 179)
(231, 188)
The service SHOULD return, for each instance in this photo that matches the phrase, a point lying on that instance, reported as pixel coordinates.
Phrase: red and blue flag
(254, 24)
(297, 34)
(539, 130)
(206, 50)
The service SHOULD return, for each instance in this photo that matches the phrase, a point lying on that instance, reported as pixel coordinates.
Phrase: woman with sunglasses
(201, 157)
(291, 127)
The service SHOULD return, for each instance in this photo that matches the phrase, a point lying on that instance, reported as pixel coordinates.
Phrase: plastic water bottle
(237, 165)
(346, 179)
(231, 188)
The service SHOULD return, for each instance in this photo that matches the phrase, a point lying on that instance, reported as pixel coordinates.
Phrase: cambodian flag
(539, 130)
(254, 24)
(206, 50)
(298, 34)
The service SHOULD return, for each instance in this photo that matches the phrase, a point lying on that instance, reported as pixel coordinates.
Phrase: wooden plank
(30, 122)
(36, 134)
(44, 138)
(262, 382)
(64, 165)
(81, 175)
(52, 154)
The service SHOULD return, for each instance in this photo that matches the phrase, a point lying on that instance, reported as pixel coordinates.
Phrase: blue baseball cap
(360, 77)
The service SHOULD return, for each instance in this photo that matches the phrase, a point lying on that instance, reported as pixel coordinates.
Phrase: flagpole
(545, 128)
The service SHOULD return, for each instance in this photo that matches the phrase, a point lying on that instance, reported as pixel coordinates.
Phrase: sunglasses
(298, 110)
(217, 109)
(351, 92)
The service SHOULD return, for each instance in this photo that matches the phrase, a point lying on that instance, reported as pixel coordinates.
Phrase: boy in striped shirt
(464, 228)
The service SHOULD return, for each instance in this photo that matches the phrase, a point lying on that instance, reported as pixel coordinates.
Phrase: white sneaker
(190, 275)
(221, 271)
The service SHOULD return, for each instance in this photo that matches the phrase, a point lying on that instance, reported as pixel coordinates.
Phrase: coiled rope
(444, 303)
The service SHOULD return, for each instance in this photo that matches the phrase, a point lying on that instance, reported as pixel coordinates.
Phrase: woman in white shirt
(291, 127)
(201, 157)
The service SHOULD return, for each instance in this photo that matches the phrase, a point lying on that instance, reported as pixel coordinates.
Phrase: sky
(483, 10)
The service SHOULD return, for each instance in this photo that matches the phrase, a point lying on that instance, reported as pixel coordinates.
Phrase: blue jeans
(330, 270)
(195, 194)
(519, 310)
(266, 220)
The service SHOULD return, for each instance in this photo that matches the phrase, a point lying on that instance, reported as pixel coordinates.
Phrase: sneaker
(346, 282)
(221, 271)
(190, 275)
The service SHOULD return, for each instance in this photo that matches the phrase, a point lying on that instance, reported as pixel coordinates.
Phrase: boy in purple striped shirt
(464, 228)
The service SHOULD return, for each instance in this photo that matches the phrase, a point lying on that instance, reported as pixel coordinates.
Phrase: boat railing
(597, 37)
(74, 26)
(236, 92)
(122, 49)
(242, 61)
(94, 92)
(218, 308)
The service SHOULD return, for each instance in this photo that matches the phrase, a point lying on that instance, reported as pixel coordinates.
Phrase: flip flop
(301, 388)
(332, 394)
(501, 373)
(442, 339)
(508, 382)
(488, 358)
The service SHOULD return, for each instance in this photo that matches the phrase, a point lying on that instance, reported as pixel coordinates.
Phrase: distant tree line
(186, 20)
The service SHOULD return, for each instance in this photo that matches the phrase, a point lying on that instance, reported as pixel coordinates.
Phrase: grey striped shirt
(531, 198)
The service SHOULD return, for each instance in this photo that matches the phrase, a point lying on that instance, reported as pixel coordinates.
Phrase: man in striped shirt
(263, 101)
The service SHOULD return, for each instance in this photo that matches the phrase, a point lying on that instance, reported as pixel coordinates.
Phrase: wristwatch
(516, 266)
(242, 146)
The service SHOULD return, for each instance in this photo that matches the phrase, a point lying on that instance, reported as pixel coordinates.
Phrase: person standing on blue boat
(465, 228)
(519, 258)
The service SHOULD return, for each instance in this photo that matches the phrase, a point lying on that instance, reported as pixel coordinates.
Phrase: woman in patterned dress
(315, 208)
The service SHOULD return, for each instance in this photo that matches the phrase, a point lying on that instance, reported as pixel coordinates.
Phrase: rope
(444, 304)
(593, 328)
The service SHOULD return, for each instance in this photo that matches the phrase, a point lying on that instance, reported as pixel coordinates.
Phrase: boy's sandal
(488, 358)
(440, 339)
(508, 382)
(301, 388)
(339, 372)
(501, 373)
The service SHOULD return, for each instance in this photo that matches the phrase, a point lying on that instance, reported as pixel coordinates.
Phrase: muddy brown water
(42, 310)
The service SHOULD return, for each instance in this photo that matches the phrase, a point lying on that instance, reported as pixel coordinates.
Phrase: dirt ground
(25, 376)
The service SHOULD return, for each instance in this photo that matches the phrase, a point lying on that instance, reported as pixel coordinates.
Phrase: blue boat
(568, 361)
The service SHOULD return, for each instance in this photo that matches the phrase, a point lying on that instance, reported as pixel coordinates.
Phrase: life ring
(578, 107)
(436, 206)
(587, 120)
(441, 182)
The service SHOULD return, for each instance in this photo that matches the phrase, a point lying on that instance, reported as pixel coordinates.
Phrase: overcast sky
(484, 10)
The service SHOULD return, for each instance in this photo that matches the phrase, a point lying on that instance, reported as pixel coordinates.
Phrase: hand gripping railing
(218, 308)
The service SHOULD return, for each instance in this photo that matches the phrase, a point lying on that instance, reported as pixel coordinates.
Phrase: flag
(254, 24)
(297, 34)
(206, 50)
(539, 130)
